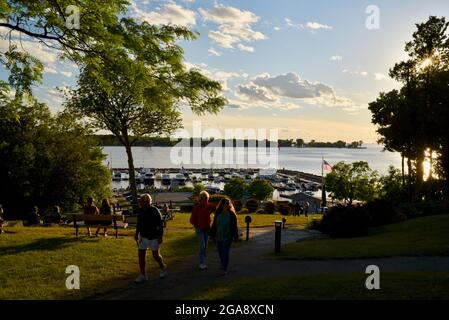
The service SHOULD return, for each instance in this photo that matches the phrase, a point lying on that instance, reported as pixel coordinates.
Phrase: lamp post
(248, 221)
(277, 235)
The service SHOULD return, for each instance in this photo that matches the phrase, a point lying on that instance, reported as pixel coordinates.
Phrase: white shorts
(145, 244)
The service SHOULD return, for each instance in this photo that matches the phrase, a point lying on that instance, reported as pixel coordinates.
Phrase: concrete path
(250, 260)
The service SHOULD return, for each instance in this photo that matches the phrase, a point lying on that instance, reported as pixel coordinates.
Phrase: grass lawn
(427, 236)
(33, 261)
(181, 220)
(413, 285)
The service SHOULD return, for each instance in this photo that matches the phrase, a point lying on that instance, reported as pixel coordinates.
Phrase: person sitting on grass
(224, 229)
(149, 232)
(35, 218)
(2, 221)
(105, 209)
(90, 208)
(54, 216)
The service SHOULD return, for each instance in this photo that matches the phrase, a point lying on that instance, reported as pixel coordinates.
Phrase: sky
(306, 68)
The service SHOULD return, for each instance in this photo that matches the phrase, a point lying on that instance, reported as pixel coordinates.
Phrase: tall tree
(139, 93)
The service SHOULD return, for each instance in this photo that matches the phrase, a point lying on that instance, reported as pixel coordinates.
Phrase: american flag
(327, 166)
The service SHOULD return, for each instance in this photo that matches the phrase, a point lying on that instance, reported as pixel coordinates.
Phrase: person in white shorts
(149, 232)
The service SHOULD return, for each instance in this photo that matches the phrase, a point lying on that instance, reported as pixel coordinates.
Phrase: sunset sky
(308, 68)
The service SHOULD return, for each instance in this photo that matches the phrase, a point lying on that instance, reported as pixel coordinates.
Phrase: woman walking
(200, 219)
(224, 229)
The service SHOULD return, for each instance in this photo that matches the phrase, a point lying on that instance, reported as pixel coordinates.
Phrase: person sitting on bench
(105, 209)
(90, 208)
(35, 217)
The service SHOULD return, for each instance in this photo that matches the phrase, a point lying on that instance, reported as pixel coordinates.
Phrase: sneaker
(141, 278)
(163, 272)
(202, 267)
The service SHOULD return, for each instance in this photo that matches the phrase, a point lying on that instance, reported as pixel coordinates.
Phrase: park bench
(97, 221)
(165, 217)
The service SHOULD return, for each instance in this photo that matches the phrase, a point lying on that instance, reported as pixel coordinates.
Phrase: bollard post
(248, 221)
(277, 235)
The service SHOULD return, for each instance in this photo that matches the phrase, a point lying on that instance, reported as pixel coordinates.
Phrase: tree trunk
(132, 176)
(409, 182)
(403, 172)
(419, 174)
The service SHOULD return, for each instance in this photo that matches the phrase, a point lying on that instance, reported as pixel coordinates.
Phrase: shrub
(269, 207)
(346, 221)
(260, 211)
(383, 212)
(284, 209)
(244, 211)
(237, 205)
(252, 205)
(314, 225)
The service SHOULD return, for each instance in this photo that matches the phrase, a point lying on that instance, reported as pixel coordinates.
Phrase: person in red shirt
(201, 220)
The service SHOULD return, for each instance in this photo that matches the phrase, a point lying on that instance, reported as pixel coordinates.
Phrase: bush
(260, 211)
(269, 207)
(314, 225)
(284, 209)
(237, 205)
(252, 205)
(244, 211)
(383, 212)
(346, 221)
(425, 208)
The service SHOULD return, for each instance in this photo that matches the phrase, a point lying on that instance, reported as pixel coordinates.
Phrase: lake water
(300, 159)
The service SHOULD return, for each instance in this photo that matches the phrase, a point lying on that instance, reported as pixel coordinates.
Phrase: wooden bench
(165, 217)
(98, 221)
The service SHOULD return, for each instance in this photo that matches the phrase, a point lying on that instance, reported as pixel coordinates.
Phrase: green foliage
(236, 188)
(260, 189)
(197, 189)
(391, 186)
(47, 160)
(415, 118)
(354, 181)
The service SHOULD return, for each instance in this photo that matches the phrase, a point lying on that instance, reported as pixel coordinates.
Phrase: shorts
(145, 244)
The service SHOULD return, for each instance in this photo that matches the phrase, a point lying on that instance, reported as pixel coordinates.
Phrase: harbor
(285, 182)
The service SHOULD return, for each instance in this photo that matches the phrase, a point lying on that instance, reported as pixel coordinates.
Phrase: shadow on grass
(40, 244)
(185, 247)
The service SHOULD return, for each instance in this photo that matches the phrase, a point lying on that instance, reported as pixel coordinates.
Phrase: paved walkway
(250, 260)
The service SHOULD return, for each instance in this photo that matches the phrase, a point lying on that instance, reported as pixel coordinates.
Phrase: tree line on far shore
(111, 140)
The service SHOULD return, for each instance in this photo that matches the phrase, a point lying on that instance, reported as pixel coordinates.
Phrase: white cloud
(223, 40)
(245, 48)
(214, 52)
(317, 26)
(170, 13)
(266, 88)
(337, 58)
(254, 92)
(67, 74)
(234, 26)
(380, 76)
(277, 28)
(228, 15)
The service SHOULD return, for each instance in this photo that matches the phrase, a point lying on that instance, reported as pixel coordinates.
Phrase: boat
(227, 177)
(117, 176)
(158, 176)
(148, 178)
(166, 180)
(181, 179)
(212, 189)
